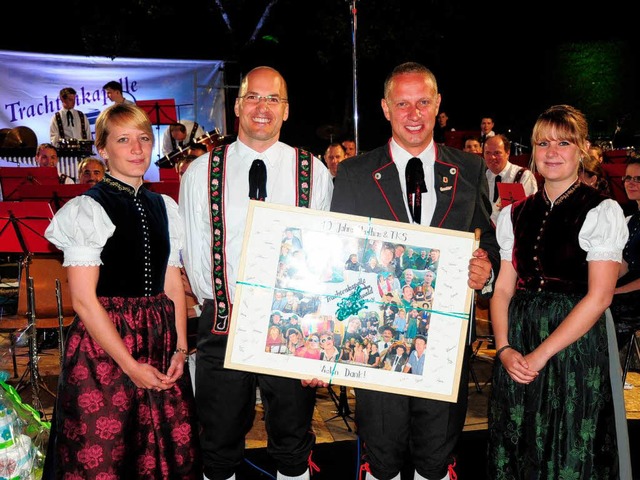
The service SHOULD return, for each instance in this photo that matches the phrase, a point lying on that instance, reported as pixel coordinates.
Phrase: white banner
(30, 84)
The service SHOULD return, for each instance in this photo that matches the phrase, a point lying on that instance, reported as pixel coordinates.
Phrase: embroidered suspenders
(304, 176)
(59, 124)
(83, 125)
(519, 174)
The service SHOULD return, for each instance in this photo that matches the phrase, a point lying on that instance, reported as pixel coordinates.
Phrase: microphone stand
(32, 370)
(354, 60)
(342, 405)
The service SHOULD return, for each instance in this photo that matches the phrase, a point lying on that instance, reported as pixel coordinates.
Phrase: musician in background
(91, 170)
(114, 92)
(69, 124)
(180, 135)
(47, 156)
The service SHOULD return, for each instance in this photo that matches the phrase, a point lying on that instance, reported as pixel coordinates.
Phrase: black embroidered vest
(546, 252)
(135, 257)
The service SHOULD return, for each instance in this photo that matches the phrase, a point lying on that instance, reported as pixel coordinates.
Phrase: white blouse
(603, 234)
(81, 228)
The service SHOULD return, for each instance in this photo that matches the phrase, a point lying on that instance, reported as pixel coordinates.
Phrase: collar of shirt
(506, 168)
(428, 156)
(270, 156)
(504, 174)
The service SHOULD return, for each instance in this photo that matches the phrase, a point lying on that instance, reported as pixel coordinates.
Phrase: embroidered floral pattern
(216, 181)
(305, 165)
(109, 429)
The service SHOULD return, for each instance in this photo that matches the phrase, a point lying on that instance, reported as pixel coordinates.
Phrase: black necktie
(258, 180)
(414, 175)
(496, 194)
(69, 118)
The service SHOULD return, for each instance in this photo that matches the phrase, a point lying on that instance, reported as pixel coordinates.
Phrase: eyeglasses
(629, 178)
(314, 340)
(326, 339)
(272, 100)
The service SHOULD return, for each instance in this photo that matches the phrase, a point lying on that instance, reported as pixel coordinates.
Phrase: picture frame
(315, 290)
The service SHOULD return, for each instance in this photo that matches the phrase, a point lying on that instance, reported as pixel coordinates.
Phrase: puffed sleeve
(604, 232)
(504, 234)
(80, 229)
(176, 233)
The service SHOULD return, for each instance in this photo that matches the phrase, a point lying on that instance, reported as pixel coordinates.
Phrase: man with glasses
(214, 204)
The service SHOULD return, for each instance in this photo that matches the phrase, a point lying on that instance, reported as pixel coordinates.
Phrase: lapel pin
(377, 176)
(453, 171)
(445, 179)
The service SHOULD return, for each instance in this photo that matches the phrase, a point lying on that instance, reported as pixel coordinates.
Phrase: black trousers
(226, 400)
(394, 426)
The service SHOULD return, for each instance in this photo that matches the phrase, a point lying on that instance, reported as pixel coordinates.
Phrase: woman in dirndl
(125, 407)
(556, 408)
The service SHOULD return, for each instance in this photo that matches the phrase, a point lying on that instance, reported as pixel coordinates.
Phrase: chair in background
(46, 270)
(632, 346)
(616, 156)
(455, 138)
(522, 160)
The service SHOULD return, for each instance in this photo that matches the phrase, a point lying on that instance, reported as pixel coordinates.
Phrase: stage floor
(330, 427)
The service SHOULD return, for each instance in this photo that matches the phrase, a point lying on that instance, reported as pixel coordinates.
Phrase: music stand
(55, 195)
(22, 227)
(12, 178)
(160, 112)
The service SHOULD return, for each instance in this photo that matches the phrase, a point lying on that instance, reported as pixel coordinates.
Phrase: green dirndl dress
(560, 426)
(568, 423)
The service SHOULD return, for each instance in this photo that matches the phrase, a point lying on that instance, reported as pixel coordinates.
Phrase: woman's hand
(517, 366)
(176, 368)
(314, 382)
(148, 377)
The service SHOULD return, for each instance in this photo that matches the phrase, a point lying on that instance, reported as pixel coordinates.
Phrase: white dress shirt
(508, 175)
(280, 160)
(428, 156)
(70, 131)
